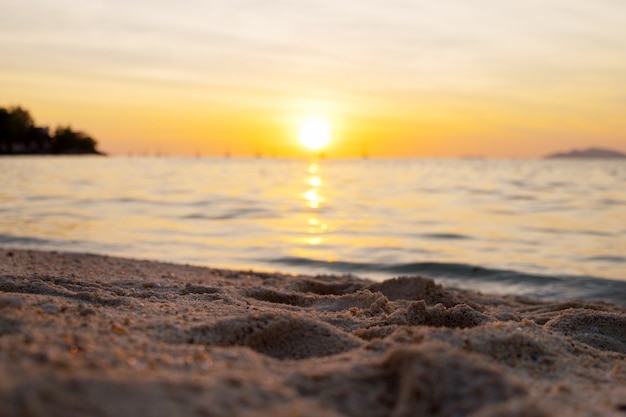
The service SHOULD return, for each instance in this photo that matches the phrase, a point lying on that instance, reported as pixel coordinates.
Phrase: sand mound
(91, 335)
(432, 379)
(604, 331)
(281, 336)
(415, 288)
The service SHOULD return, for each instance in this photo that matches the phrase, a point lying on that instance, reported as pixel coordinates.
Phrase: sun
(314, 132)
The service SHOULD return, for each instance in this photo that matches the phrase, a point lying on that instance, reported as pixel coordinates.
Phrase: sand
(86, 335)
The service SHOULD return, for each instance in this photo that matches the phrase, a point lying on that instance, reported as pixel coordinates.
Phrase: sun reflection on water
(316, 225)
(312, 196)
(315, 240)
(315, 181)
(313, 199)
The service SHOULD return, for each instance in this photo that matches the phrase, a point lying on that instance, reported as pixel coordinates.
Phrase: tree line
(20, 135)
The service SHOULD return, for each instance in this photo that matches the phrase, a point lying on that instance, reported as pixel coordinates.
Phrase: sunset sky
(395, 78)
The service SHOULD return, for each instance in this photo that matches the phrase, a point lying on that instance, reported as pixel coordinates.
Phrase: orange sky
(447, 78)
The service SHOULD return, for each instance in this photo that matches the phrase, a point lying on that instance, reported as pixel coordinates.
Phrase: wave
(241, 213)
(488, 280)
(445, 236)
(72, 245)
(24, 240)
(608, 258)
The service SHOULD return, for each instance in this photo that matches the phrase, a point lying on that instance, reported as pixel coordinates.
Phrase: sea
(543, 228)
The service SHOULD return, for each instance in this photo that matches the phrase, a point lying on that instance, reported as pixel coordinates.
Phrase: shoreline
(98, 335)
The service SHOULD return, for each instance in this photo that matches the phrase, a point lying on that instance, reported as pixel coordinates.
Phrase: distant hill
(588, 153)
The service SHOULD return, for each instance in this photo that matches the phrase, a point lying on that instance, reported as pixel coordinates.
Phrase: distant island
(20, 136)
(588, 153)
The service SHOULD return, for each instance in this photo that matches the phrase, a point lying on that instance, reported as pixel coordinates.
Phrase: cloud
(363, 45)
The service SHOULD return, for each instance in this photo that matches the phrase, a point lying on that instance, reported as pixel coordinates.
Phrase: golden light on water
(313, 198)
(317, 226)
(314, 132)
(313, 168)
(315, 240)
(315, 181)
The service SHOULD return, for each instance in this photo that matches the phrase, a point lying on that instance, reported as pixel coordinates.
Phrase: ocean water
(554, 229)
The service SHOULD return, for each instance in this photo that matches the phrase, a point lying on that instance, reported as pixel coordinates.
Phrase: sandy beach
(86, 335)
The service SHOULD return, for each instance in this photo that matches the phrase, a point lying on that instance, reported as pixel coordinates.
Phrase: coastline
(95, 335)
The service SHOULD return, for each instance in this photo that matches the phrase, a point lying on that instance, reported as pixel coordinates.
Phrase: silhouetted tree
(65, 140)
(15, 124)
(19, 135)
(5, 138)
(38, 140)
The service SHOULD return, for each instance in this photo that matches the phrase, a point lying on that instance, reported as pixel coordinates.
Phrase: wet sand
(102, 336)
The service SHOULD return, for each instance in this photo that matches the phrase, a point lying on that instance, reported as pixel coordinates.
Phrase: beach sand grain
(94, 335)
